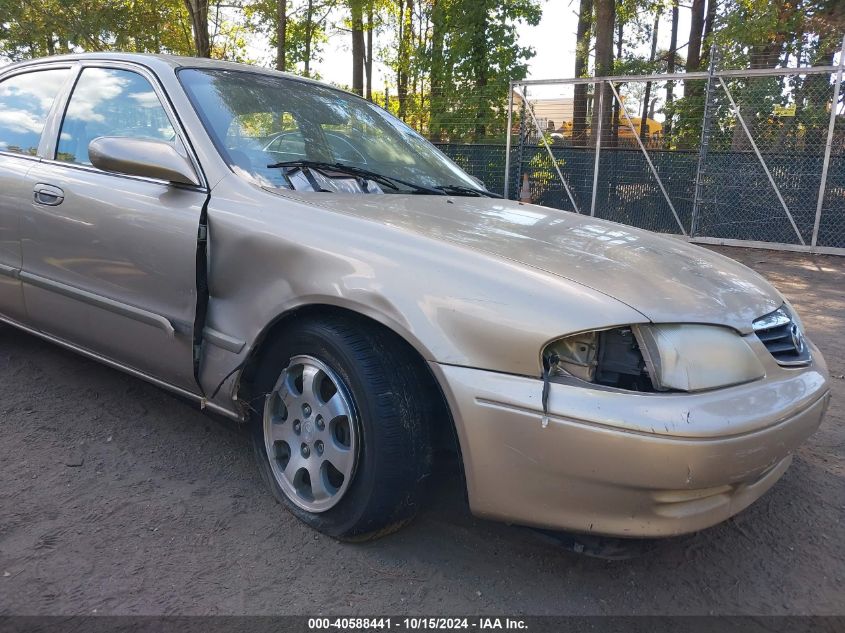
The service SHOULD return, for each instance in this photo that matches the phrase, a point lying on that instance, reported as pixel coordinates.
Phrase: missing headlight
(609, 357)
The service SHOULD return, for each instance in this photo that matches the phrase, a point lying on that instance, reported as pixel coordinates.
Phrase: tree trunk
(616, 109)
(709, 24)
(670, 69)
(405, 38)
(281, 33)
(368, 59)
(644, 131)
(198, 12)
(356, 12)
(696, 30)
(605, 19)
(582, 57)
(309, 34)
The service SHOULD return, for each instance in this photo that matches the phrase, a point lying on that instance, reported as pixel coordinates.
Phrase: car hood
(662, 277)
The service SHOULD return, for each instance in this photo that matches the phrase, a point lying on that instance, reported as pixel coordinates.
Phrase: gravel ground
(119, 498)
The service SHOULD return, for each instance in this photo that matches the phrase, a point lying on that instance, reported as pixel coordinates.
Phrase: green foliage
(481, 56)
(35, 28)
(451, 61)
(261, 16)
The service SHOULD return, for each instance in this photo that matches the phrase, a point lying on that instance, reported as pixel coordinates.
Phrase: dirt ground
(116, 497)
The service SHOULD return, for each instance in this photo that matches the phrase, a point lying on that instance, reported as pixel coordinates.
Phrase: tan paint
(142, 157)
(478, 286)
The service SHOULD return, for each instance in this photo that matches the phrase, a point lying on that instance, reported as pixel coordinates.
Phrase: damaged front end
(654, 358)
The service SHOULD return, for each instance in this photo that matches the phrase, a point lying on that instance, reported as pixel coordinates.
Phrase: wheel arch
(445, 434)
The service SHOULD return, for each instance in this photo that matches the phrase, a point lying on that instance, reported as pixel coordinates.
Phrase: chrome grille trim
(782, 336)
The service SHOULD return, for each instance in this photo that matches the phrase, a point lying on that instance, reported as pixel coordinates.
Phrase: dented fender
(270, 254)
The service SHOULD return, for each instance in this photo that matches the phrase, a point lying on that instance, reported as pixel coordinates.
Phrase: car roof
(163, 63)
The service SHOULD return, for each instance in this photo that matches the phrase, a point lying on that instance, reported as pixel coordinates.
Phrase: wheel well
(444, 434)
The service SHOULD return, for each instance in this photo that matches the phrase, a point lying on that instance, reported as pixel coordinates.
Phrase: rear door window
(25, 102)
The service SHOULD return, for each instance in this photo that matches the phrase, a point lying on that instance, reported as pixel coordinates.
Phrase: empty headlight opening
(612, 358)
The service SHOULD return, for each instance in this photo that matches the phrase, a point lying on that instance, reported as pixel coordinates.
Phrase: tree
(709, 25)
(605, 19)
(438, 71)
(670, 69)
(356, 11)
(404, 37)
(368, 59)
(647, 98)
(478, 65)
(281, 34)
(582, 56)
(198, 12)
(696, 31)
(296, 29)
(309, 36)
(35, 28)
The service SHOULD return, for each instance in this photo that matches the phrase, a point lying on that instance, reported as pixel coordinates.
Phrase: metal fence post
(506, 191)
(705, 142)
(598, 88)
(520, 153)
(828, 146)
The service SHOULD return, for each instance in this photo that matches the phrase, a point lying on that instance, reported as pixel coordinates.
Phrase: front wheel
(342, 434)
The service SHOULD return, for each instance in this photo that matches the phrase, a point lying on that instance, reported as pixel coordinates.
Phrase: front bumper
(623, 463)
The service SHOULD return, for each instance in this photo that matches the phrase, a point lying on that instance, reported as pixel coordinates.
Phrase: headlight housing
(666, 357)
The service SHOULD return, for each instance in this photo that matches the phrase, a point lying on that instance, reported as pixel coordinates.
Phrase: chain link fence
(720, 156)
(470, 125)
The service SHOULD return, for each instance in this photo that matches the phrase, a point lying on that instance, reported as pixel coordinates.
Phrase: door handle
(47, 194)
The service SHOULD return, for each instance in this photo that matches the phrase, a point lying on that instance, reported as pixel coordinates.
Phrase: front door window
(110, 102)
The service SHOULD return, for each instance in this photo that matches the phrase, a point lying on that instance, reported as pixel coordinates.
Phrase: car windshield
(277, 130)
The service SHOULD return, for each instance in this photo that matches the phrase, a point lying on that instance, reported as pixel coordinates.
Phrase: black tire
(386, 385)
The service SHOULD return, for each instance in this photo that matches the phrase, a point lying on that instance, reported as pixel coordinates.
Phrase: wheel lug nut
(297, 426)
(306, 452)
(321, 424)
(318, 445)
(306, 410)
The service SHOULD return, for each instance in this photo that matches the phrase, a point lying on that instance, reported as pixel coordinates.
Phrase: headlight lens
(697, 357)
(676, 357)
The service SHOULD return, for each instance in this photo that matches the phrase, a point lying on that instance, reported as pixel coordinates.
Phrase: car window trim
(54, 119)
(164, 100)
(45, 131)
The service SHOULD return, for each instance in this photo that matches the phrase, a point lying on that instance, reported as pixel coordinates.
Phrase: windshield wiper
(388, 181)
(462, 189)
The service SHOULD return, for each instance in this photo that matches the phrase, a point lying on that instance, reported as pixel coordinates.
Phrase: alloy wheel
(311, 434)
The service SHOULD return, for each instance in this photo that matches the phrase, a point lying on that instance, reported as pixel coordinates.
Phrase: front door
(109, 260)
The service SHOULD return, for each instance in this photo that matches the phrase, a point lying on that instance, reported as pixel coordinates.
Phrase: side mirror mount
(141, 157)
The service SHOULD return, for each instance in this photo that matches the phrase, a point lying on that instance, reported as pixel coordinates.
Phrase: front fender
(456, 306)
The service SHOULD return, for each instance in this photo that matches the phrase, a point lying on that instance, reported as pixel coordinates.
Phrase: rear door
(26, 99)
(108, 259)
